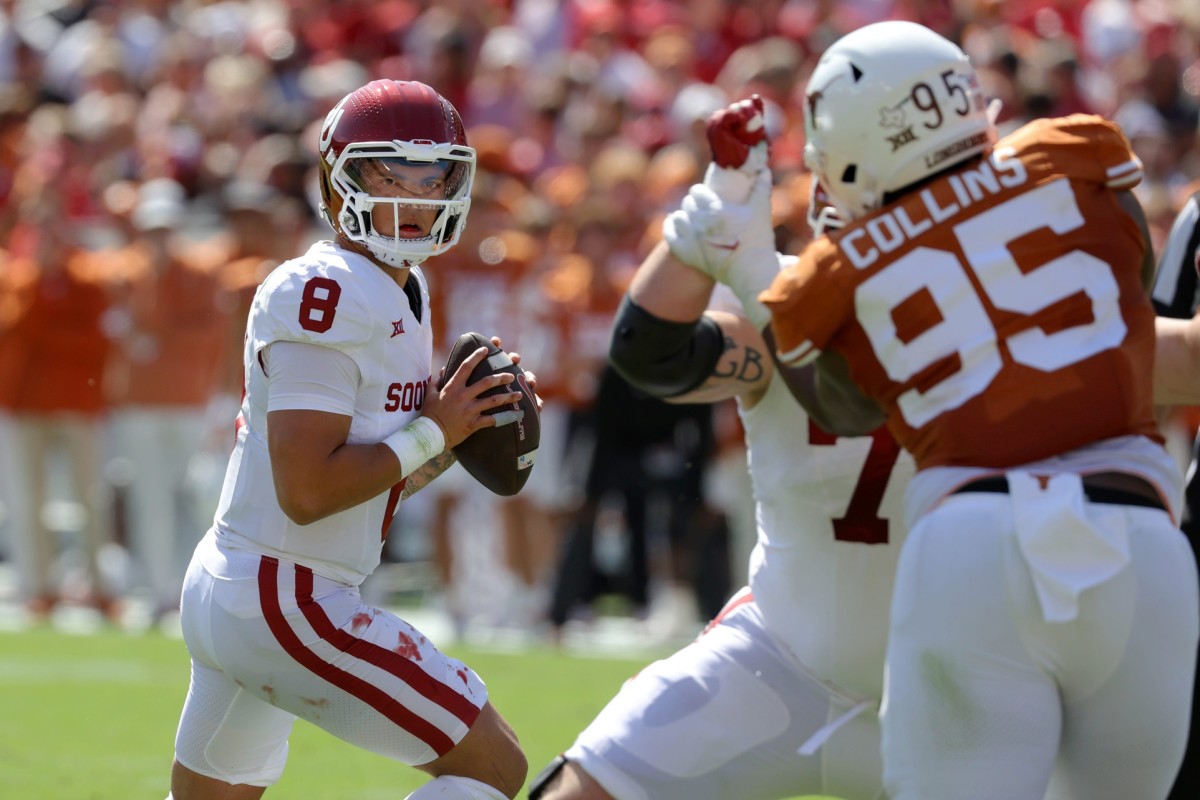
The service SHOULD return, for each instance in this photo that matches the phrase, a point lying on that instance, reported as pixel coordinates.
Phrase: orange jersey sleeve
(808, 303)
(996, 313)
(60, 348)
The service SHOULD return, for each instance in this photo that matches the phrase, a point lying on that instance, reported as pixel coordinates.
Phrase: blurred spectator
(12, 305)
(494, 93)
(265, 227)
(56, 350)
(689, 112)
(644, 480)
(161, 380)
(15, 105)
(471, 290)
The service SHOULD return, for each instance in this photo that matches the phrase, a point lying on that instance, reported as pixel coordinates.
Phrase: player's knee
(456, 787)
(511, 767)
(514, 771)
(489, 753)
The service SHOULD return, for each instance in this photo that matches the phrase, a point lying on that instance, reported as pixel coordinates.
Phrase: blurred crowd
(157, 160)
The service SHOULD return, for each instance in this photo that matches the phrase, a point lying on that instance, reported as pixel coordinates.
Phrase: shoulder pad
(312, 301)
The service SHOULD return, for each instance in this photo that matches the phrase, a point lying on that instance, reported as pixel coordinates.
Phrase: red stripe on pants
(389, 707)
(394, 663)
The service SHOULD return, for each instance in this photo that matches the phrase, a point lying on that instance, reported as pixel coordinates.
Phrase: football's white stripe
(509, 416)
(499, 361)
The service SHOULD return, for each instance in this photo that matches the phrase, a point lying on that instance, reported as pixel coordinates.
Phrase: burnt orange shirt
(996, 314)
(580, 301)
(18, 282)
(56, 349)
(239, 279)
(473, 288)
(179, 329)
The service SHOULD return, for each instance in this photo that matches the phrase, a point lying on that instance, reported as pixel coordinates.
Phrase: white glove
(732, 242)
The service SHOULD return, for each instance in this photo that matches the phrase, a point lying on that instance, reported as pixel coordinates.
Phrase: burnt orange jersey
(179, 327)
(997, 313)
(56, 350)
(473, 287)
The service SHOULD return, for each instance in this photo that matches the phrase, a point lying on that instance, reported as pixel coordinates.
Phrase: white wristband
(753, 274)
(416, 443)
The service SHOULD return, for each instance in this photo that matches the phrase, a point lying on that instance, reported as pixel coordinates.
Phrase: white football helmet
(889, 105)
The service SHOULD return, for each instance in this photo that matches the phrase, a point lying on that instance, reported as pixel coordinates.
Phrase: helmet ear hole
(850, 173)
(349, 221)
(449, 230)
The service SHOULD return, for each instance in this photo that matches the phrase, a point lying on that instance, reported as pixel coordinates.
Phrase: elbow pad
(662, 358)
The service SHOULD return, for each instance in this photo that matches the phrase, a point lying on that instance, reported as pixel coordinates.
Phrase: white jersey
(334, 298)
(830, 527)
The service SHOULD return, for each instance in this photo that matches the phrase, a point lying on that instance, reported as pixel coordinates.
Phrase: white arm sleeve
(308, 376)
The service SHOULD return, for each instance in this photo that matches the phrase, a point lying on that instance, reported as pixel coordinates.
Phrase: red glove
(733, 130)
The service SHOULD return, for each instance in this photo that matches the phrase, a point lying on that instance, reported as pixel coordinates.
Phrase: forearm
(313, 487)
(670, 289)
(1177, 361)
(424, 474)
(418, 449)
(848, 411)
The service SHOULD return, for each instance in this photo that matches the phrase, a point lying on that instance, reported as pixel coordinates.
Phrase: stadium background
(138, 137)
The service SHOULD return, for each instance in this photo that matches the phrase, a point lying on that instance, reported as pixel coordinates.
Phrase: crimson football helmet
(381, 129)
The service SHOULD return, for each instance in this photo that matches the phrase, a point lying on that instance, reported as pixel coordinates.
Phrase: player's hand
(458, 408)
(737, 136)
(712, 235)
(735, 131)
(728, 216)
(530, 378)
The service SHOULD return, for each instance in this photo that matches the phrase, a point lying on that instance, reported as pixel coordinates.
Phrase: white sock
(453, 787)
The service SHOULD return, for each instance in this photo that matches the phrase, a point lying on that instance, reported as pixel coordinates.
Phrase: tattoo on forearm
(740, 363)
(425, 473)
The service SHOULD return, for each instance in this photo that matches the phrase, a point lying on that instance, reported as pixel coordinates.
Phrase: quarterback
(341, 420)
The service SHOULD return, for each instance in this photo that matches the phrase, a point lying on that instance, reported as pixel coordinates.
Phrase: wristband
(416, 443)
(752, 274)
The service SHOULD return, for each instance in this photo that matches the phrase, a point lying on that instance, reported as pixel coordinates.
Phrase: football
(501, 457)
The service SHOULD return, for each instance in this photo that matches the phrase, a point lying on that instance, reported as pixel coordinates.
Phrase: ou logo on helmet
(328, 127)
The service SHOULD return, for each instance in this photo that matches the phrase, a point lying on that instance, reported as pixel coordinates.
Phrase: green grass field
(92, 717)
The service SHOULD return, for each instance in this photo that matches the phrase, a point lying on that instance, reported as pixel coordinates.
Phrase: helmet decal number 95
(925, 99)
(318, 305)
(965, 330)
